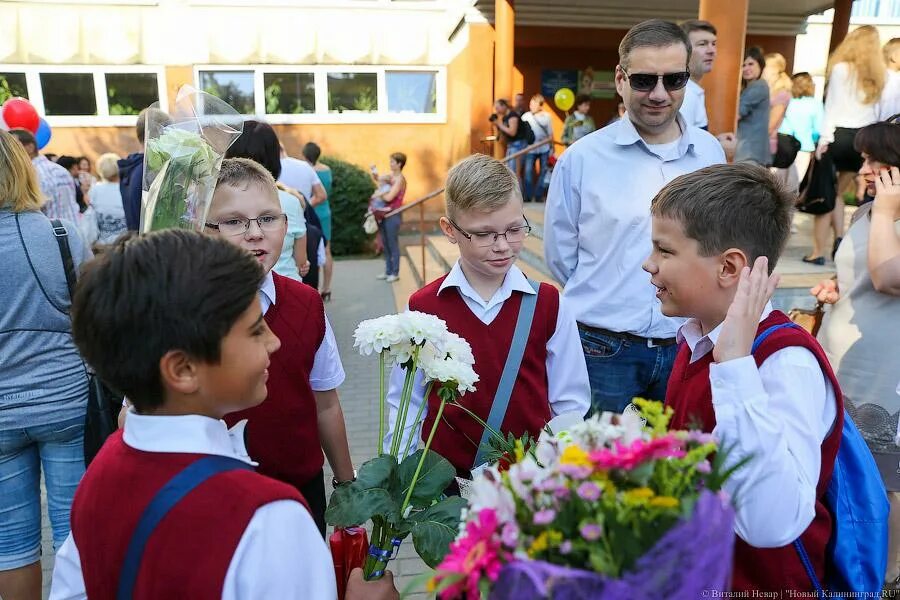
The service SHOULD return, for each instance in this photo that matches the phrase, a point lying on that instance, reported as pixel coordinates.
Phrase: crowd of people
(666, 257)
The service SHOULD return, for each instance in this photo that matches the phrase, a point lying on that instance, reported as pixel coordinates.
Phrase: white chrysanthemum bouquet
(403, 498)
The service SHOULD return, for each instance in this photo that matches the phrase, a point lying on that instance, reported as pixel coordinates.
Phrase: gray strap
(510, 369)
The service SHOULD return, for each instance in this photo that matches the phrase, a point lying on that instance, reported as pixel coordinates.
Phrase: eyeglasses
(485, 239)
(645, 82)
(240, 226)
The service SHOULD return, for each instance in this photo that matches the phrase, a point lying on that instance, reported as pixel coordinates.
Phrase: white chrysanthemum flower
(375, 335)
(458, 349)
(597, 432)
(421, 327)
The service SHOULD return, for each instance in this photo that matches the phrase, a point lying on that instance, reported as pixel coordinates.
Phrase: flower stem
(381, 401)
(412, 433)
(479, 420)
(415, 477)
(403, 408)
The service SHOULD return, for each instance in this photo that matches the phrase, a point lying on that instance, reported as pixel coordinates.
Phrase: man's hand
(379, 589)
(887, 192)
(729, 144)
(826, 291)
(304, 269)
(755, 288)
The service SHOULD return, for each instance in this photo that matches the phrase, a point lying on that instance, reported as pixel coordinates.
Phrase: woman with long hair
(856, 78)
(753, 111)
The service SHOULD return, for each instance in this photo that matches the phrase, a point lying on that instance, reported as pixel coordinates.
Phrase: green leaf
(380, 472)
(349, 506)
(435, 476)
(435, 527)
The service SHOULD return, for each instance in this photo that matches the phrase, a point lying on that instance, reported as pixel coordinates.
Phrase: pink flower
(544, 517)
(589, 491)
(475, 555)
(510, 535)
(638, 452)
(703, 466)
(591, 531)
(565, 547)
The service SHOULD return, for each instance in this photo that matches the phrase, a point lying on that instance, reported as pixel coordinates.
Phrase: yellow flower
(430, 585)
(575, 456)
(638, 495)
(664, 502)
(520, 451)
(538, 545)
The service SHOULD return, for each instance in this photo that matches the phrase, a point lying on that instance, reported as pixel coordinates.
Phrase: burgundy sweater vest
(189, 552)
(282, 433)
(690, 395)
(458, 436)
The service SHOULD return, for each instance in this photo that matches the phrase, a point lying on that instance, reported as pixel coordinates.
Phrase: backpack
(856, 555)
(525, 132)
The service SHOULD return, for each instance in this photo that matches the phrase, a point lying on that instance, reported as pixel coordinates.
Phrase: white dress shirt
(597, 224)
(693, 108)
(327, 371)
(778, 414)
(281, 553)
(569, 389)
(299, 175)
(844, 105)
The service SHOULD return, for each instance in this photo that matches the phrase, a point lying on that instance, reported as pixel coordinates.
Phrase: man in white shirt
(301, 176)
(703, 53)
(597, 227)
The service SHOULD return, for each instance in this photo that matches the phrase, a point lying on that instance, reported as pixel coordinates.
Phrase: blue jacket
(131, 175)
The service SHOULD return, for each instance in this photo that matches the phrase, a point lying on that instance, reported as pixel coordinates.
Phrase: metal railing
(420, 202)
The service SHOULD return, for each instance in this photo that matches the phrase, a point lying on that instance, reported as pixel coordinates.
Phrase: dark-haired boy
(204, 351)
(779, 405)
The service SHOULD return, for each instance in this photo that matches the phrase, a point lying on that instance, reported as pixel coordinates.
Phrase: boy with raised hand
(303, 415)
(198, 522)
(778, 405)
(480, 300)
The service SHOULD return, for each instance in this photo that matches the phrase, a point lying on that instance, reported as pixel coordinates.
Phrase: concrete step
(406, 285)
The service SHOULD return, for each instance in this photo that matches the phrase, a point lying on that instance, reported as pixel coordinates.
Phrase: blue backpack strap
(762, 336)
(510, 369)
(810, 572)
(165, 499)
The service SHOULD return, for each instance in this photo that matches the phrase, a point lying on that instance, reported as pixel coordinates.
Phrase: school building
(364, 78)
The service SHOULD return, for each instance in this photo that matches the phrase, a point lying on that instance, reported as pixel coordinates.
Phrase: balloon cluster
(18, 113)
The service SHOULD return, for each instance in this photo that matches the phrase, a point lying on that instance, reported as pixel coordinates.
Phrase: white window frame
(102, 118)
(321, 115)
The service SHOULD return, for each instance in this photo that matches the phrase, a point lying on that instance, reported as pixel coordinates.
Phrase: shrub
(349, 200)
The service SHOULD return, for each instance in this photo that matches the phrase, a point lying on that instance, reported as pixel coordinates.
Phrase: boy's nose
(649, 266)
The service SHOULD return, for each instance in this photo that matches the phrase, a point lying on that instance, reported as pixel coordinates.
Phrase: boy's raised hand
(755, 288)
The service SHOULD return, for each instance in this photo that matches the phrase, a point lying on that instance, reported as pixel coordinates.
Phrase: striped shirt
(58, 187)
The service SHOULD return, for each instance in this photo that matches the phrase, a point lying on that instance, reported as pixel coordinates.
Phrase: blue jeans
(515, 164)
(621, 369)
(390, 238)
(59, 449)
(534, 187)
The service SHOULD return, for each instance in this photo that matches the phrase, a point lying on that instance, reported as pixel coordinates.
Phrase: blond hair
(108, 166)
(19, 188)
(481, 183)
(243, 172)
(861, 50)
(775, 62)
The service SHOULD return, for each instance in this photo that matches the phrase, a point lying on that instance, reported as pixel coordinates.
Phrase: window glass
(234, 87)
(289, 93)
(411, 91)
(130, 93)
(68, 93)
(352, 91)
(12, 84)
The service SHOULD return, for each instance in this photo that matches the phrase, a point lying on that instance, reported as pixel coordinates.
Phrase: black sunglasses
(645, 82)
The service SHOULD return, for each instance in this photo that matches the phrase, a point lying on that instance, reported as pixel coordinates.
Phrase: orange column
(840, 24)
(723, 83)
(504, 43)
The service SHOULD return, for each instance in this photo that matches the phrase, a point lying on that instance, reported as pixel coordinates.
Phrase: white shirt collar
(193, 434)
(515, 281)
(627, 134)
(267, 291)
(692, 333)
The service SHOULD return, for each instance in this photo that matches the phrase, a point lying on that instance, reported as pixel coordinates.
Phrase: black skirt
(846, 158)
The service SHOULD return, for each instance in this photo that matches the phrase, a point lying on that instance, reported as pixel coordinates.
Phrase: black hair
(24, 136)
(756, 53)
(258, 142)
(312, 152)
(655, 33)
(581, 99)
(66, 162)
(150, 295)
(880, 141)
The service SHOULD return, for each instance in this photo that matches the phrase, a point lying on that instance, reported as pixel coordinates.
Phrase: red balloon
(18, 112)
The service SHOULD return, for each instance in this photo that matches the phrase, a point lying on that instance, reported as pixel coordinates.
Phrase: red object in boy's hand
(349, 548)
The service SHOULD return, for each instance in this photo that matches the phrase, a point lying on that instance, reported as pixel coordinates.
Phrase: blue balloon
(43, 134)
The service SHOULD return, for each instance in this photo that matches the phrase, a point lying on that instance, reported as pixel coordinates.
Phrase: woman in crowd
(43, 383)
(860, 331)
(579, 123)
(389, 227)
(539, 119)
(780, 85)
(106, 201)
(856, 79)
(311, 153)
(753, 112)
(70, 164)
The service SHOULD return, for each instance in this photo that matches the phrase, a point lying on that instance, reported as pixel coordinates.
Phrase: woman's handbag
(103, 405)
(818, 190)
(785, 151)
(370, 225)
(810, 320)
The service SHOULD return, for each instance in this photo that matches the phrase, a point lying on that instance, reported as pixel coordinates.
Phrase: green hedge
(349, 200)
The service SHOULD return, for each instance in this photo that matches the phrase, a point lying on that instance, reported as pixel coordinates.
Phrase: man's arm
(561, 221)
(68, 581)
(318, 192)
(569, 388)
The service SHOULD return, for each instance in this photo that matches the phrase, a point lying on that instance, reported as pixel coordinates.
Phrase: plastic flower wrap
(401, 491)
(615, 507)
(183, 154)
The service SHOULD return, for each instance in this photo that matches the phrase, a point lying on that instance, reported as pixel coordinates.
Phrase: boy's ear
(731, 264)
(178, 372)
(447, 229)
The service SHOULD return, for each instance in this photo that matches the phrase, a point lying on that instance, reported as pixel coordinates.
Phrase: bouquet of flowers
(608, 509)
(184, 151)
(402, 496)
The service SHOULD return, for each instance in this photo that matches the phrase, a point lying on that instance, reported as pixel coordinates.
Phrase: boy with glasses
(482, 300)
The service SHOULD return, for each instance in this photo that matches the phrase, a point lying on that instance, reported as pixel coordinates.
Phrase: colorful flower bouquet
(402, 496)
(609, 509)
(184, 152)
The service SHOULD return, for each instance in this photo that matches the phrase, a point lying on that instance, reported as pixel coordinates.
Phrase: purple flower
(591, 531)
(544, 517)
(565, 547)
(589, 491)
(703, 466)
(509, 535)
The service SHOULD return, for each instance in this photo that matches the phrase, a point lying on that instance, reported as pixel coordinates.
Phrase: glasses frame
(217, 226)
(686, 74)
(497, 235)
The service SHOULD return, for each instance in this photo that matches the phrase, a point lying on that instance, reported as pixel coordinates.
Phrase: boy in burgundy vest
(781, 405)
(303, 414)
(479, 300)
(173, 321)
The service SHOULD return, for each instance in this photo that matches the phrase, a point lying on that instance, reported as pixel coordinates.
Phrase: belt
(650, 342)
